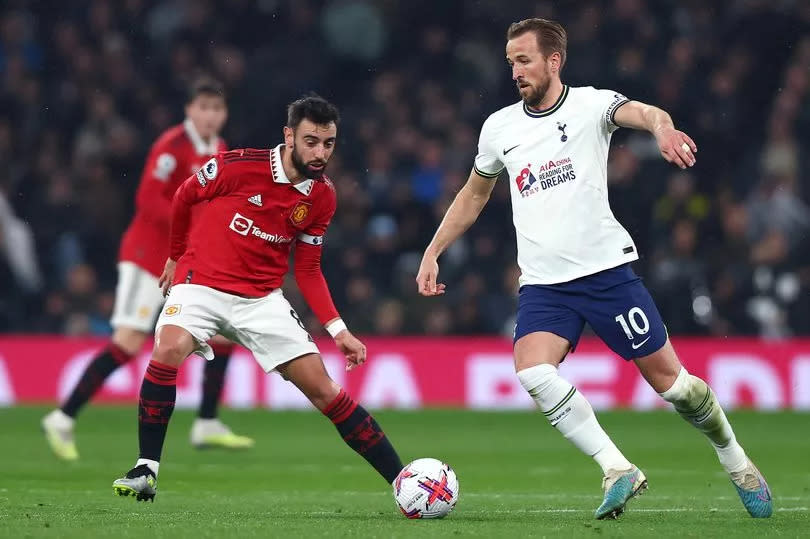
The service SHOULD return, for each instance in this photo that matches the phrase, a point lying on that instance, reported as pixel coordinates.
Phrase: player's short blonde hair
(551, 36)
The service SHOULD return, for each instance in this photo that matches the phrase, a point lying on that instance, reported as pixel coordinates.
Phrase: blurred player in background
(226, 276)
(176, 154)
(575, 257)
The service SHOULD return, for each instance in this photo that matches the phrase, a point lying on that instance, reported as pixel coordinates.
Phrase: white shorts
(138, 298)
(269, 327)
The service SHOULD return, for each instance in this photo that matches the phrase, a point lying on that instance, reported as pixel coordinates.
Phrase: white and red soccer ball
(426, 488)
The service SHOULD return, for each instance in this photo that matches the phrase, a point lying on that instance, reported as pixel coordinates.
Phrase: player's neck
(552, 95)
(191, 127)
(289, 169)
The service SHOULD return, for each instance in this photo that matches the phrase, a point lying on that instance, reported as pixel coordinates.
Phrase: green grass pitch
(518, 478)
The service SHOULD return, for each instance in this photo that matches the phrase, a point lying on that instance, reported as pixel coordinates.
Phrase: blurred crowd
(87, 85)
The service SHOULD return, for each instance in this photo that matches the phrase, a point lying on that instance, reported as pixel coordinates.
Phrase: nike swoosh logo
(510, 149)
(639, 345)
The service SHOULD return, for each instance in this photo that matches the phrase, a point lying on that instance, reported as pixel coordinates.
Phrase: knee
(323, 394)
(129, 340)
(540, 348)
(535, 379)
(686, 390)
(170, 353)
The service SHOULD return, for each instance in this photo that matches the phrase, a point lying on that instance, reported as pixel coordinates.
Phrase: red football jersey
(176, 154)
(241, 240)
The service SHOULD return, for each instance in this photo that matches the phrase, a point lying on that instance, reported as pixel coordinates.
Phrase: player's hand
(428, 275)
(676, 147)
(167, 277)
(351, 347)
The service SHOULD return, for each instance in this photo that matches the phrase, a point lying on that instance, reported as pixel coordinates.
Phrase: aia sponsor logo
(525, 180)
(545, 176)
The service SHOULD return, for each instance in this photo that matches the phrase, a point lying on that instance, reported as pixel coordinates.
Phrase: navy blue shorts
(614, 302)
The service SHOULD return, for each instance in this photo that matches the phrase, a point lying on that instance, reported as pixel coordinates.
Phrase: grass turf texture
(518, 478)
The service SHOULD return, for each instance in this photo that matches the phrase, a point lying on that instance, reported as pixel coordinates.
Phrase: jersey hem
(579, 275)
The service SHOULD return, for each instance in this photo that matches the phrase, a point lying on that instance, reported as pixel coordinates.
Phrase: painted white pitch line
(517, 495)
(588, 511)
(635, 510)
(535, 495)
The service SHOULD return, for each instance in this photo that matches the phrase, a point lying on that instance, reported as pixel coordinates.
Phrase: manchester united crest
(299, 213)
(171, 310)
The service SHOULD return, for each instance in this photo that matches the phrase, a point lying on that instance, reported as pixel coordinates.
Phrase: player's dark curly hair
(313, 108)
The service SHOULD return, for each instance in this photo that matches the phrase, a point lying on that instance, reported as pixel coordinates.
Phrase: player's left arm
(676, 146)
(312, 284)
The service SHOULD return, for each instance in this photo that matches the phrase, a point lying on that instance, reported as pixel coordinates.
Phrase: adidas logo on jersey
(256, 200)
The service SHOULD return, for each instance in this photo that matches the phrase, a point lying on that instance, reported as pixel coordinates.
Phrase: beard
(535, 95)
(305, 169)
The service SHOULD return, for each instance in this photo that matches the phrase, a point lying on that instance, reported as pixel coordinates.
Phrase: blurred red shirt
(176, 154)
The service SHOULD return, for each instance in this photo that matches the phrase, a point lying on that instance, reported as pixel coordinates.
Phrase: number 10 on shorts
(638, 322)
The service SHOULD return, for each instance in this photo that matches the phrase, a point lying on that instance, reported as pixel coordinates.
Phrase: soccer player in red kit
(226, 275)
(179, 152)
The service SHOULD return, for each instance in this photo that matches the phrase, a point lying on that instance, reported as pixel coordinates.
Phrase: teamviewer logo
(241, 224)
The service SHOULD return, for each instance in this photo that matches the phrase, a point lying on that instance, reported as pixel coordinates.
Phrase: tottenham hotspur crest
(562, 127)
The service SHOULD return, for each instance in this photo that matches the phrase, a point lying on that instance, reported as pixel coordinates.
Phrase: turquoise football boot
(753, 491)
(620, 486)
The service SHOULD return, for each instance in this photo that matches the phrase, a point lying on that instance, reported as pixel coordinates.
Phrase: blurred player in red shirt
(177, 153)
(226, 275)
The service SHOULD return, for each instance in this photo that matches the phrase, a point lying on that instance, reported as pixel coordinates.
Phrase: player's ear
(555, 60)
(289, 137)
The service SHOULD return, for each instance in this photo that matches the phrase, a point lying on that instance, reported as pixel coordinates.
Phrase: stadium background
(88, 85)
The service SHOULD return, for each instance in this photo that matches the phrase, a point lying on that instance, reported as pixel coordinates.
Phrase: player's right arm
(461, 214)
(209, 182)
(464, 210)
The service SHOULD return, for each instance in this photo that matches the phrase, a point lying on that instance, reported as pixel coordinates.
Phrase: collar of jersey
(279, 176)
(551, 110)
(197, 141)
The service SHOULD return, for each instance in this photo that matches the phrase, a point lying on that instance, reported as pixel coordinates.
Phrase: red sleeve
(307, 261)
(207, 183)
(154, 200)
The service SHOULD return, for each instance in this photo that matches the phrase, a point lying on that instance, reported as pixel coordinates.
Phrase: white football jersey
(557, 166)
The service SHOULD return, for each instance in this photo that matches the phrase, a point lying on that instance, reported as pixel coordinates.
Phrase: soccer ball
(426, 488)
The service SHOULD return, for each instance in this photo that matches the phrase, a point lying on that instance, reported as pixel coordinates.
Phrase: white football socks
(698, 405)
(572, 415)
(60, 420)
(151, 464)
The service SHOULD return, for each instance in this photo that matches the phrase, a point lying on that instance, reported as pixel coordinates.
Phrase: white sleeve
(608, 103)
(487, 163)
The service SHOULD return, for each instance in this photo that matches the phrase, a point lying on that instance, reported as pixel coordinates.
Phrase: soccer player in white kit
(574, 257)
